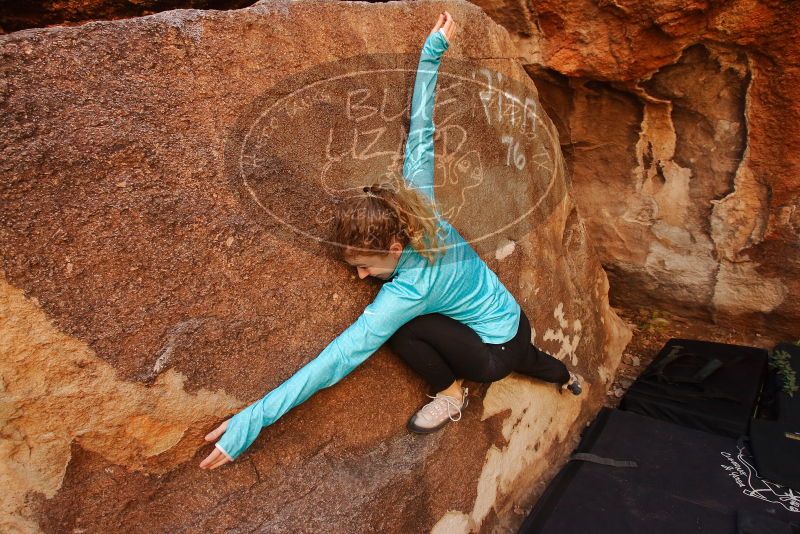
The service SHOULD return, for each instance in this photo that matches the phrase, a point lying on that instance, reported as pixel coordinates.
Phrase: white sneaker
(437, 413)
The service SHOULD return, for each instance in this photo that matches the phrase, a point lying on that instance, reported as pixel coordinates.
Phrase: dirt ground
(653, 328)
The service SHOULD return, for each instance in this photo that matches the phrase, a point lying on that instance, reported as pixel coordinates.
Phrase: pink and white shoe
(438, 412)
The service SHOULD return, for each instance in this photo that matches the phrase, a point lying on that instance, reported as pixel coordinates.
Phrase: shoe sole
(421, 430)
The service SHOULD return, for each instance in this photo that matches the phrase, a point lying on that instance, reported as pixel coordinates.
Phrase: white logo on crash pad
(740, 468)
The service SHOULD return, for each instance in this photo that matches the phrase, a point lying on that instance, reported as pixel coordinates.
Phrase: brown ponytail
(367, 223)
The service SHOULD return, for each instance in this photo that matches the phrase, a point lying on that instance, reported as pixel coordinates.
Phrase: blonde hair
(391, 209)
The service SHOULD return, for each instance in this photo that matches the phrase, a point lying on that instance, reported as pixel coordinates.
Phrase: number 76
(514, 153)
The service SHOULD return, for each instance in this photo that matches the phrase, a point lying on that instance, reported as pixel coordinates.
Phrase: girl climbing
(442, 310)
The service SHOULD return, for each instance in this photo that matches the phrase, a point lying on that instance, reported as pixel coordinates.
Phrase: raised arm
(396, 303)
(418, 163)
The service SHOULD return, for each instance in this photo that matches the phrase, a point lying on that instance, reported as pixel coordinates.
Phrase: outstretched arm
(418, 164)
(396, 303)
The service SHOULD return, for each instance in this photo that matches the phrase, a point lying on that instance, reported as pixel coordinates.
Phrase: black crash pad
(700, 384)
(685, 481)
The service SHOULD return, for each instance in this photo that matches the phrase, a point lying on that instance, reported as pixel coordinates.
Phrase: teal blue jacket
(459, 284)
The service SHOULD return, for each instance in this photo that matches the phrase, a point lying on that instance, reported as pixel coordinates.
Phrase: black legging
(442, 349)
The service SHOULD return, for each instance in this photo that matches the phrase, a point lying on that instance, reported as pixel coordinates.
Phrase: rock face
(166, 183)
(682, 120)
(15, 16)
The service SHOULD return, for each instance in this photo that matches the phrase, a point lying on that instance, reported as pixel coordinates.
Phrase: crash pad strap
(595, 459)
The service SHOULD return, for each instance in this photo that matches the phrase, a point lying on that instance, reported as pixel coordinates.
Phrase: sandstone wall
(682, 120)
(166, 181)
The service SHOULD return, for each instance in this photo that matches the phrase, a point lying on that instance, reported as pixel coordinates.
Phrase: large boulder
(165, 193)
(682, 117)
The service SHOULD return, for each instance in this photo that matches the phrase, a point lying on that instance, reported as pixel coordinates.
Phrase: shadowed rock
(16, 16)
(682, 119)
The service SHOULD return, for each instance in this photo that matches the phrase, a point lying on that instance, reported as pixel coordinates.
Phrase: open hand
(447, 24)
(217, 457)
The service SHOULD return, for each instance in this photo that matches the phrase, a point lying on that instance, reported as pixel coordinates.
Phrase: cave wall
(165, 184)
(686, 113)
